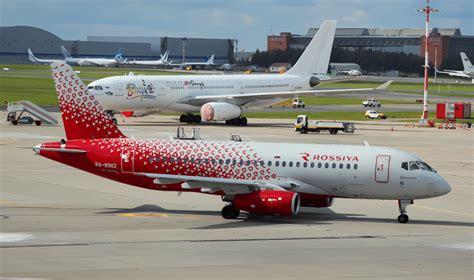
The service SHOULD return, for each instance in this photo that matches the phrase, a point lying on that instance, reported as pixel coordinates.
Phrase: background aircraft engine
(313, 81)
(269, 202)
(220, 111)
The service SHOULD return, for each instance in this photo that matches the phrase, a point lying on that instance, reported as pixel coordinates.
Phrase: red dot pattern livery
(83, 116)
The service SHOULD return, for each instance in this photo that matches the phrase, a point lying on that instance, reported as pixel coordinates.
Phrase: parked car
(372, 114)
(371, 103)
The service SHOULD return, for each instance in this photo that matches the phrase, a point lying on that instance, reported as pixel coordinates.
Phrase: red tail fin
(83, 116)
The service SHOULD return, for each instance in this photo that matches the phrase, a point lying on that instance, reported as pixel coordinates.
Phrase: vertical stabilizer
(32, 57)
(465, 61)
(65, 53)
(83, 116)
(315, 58)
(211, 60)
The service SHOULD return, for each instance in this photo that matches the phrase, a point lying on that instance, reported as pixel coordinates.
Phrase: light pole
(184, 50)
(427, 11)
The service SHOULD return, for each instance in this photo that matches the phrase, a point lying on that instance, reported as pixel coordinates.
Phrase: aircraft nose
(442, 186)
(37, 149)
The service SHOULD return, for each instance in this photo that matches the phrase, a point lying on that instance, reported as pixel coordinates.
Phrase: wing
(241, 99)
(230, 186)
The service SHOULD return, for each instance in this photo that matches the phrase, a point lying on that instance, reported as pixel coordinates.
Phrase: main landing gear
(402, 205)
(112, 116)
(237, 121)
(230, 212)
(190, 118)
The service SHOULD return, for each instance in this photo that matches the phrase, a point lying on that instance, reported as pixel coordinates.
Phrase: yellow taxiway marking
(445, 211)
(159, 215)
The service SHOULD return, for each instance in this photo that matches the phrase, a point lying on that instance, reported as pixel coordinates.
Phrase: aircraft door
(127, 159)
(382, 169)
(241, 88)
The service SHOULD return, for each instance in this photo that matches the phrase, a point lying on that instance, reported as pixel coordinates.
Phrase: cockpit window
(425, 166)
(98, 88)
(405, 165)
(413, 165)
(90, 87)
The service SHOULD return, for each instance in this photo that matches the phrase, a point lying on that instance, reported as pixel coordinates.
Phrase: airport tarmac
(61, 223)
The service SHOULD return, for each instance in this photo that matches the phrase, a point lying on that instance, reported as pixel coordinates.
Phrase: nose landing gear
(402, 205)
(190, 118)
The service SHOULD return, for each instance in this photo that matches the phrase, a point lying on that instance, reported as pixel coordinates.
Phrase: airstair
(16, 109)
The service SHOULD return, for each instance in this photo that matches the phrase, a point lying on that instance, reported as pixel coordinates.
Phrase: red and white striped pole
(427, 10)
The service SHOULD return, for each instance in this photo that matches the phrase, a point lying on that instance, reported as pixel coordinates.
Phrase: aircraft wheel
(333, 131)
(183, 118)
(230, 212)
(197, 119)
(403, 219)
(243, 121)
(114, 120)
(303, 130)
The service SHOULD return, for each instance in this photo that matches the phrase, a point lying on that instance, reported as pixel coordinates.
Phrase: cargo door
(382, 169)
(127, 159)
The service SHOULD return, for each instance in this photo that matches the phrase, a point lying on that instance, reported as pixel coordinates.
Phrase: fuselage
(159, 93)
(347, 171)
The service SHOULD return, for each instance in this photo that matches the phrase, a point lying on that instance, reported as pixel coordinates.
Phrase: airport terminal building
(444, 43)
(15, 41)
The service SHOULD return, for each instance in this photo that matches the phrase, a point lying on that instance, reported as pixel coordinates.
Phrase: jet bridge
(16, 109)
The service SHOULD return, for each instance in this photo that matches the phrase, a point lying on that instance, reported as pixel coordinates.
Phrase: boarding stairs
(34, 110)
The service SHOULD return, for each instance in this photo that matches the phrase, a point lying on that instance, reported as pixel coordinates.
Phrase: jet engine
(220, 111)
(319, 202)
(313, 81)
(269, 202)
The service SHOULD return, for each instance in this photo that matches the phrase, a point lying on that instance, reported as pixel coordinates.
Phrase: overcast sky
(246, 20)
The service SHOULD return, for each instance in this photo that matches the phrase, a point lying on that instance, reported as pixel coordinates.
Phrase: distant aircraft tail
(164, 57)
(211, 60)
(118, 55)
(32, 57)
(65, 53)
(83, 116)
(315, 58)
(465, 61)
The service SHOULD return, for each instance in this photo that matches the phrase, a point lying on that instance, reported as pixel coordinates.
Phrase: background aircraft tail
(465, 61)
(82, 115)
(315, 58)
(164, 57)
(31, 56)
(118, 55)
(211, 60)
(65, 53)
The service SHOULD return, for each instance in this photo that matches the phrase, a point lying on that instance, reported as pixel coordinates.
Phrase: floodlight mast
(427, 11)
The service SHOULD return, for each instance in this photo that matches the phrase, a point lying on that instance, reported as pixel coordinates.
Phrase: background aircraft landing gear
(190, 118)
(112, 117)
(230, 212)
(237, 121)
(402, 205)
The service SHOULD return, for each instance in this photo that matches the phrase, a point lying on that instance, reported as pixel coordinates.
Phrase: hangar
(15, 40)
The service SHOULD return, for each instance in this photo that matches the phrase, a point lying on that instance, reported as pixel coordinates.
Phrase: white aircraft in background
(352, 72)
(259, 178)
(107, 62)
(33, 59)
(468, 71)
(220, 97)
(209, 62)
(162, 61)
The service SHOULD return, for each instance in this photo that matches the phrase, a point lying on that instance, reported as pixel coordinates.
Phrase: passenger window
(348, 166)
(290, 164)
(227, 161)
(319, 165)
(312, 165)
(333, 165)
(405, 165)
(413, 165)
(221, 162)
(355, 166)
(283, 163)
(269, 163)
(326, 165)
(341, 166)
(277, 163)
(305, 164)
(297, 164)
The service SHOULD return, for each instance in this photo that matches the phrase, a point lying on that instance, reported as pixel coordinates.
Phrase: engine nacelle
(318, 202)
(269, 202)
(314, 81)
(220, 111)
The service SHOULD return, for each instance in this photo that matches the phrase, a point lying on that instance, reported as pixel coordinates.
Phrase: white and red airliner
(261, 178)
(220, 97)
